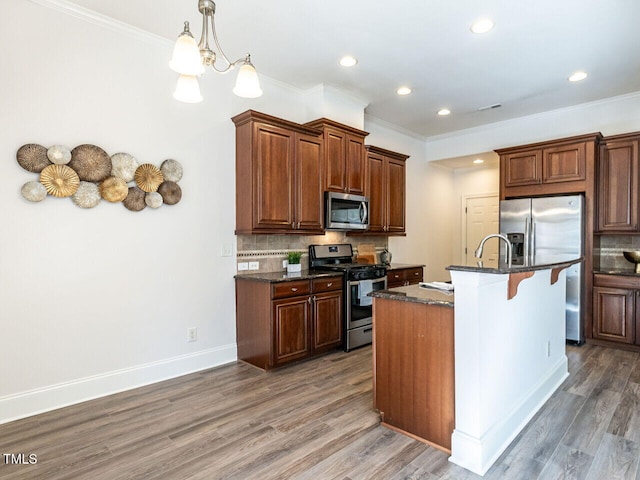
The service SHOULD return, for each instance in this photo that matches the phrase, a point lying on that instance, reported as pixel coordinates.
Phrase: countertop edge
(514, 268)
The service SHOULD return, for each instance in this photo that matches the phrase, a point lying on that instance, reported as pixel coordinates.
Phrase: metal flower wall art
(89, 175)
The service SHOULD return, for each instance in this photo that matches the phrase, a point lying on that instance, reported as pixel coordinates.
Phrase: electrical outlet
(243, 266)
(254, 265)
(285, 263)
(226, 250)
(192, 334)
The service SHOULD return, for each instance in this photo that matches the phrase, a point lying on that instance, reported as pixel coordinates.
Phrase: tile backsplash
(270, 250)
(608, 250)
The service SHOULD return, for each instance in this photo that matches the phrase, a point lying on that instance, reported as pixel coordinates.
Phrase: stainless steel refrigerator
(547, 230)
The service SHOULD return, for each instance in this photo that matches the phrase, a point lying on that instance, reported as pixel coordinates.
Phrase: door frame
(463, 219)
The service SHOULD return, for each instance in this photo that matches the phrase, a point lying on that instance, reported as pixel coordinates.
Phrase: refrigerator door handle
(527, 240)
(533, 241)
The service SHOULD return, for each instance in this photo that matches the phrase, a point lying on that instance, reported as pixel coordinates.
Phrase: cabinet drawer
(326, 284)
(616, 281)
(290, 289)
(414, 275)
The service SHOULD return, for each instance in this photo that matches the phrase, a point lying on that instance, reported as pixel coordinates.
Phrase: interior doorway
(481, 218)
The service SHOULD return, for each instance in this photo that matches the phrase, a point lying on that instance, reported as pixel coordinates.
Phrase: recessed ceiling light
(577, 76)
(403, 91)
(348, 61)
(444, 111)
(482, 25)
(478, 161)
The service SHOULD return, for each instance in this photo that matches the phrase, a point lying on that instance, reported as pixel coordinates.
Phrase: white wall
(469, 182)
(94, 301)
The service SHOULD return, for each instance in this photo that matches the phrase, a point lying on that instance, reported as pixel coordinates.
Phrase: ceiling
(522, 64)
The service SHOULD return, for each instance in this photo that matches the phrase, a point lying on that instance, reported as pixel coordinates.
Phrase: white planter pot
(293, 268)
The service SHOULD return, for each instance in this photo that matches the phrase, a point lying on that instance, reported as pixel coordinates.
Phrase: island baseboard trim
(479, 454)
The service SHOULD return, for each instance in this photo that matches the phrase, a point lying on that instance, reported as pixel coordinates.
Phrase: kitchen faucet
(507, 256)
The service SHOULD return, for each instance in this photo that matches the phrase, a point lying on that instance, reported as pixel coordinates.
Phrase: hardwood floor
(315, 420)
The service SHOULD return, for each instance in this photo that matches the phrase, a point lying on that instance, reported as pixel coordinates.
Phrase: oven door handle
(373, 280)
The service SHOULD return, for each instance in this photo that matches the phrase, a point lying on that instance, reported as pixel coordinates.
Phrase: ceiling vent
(490, 107)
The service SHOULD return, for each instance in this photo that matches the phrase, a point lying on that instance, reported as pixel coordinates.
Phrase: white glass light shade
(247, 82)
(186, 56)
(187, 89)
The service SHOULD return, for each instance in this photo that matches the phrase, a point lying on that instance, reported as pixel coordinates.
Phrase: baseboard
(479, 454)
(33, 402)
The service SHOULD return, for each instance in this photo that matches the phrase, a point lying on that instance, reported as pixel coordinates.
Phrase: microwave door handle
(363, 212)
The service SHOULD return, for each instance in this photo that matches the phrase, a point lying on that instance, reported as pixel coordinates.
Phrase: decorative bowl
(634, 257)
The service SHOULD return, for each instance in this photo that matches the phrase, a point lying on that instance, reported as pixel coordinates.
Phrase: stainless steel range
(359, 280)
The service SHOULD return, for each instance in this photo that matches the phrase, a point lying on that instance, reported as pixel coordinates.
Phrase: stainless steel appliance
(546, 230)
(344, 211)
(359, 280)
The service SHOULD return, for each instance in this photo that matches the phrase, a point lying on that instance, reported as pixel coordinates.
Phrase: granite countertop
(397, 266)
(416, 294)
(275, 277)
(502, 268)
(617, 271)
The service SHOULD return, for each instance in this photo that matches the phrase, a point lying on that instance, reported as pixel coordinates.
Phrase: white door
(482, 218)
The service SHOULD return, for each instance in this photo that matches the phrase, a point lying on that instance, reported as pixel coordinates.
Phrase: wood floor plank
(616, 459)
(567, 464)
(314, 420)
(626, 419)
(592, 421)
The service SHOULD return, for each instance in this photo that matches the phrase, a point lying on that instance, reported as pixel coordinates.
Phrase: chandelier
(190, 59)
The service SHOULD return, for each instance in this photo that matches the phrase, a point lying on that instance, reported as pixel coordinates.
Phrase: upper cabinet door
(522, 168)
(335, 165)
(309, 192)
(344, 156)
(355, 164)
(273, 177)
(396, 196)
(618, 187)
(565, 163)
(376, 191)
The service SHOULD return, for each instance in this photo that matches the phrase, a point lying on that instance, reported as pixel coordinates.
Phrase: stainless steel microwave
(344, 211)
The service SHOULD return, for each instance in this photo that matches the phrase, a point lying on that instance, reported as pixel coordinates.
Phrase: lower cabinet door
(613, 314)
(291, 334)
(327, 321)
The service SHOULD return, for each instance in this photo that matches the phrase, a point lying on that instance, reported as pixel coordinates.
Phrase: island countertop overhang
(503, 269)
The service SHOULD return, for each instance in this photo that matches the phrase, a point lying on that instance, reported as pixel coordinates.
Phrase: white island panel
(509, 359)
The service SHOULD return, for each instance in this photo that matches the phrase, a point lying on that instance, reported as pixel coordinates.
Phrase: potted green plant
(293, 262)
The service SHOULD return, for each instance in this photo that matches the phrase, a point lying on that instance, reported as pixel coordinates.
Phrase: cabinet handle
(294, 289)
(309, 300)
(396, 276)
(298, 227)
(329, 284)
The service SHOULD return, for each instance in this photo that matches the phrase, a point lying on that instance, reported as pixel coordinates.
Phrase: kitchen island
(500, 341)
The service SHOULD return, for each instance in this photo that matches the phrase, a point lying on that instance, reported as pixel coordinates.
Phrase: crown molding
(72, 9)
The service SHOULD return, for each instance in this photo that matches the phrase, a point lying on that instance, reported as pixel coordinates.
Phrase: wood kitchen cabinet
(344, 156)
(386, 189)
(549, 168)
(278, 176)
(281, 322)
(616, 309)
(414, 369)
(399, 277)
(617, 184)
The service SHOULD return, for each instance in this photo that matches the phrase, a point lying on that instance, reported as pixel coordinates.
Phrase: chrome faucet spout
(507, 256)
